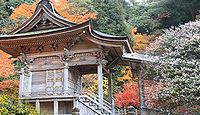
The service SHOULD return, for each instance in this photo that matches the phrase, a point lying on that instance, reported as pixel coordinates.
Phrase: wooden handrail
(93, 95)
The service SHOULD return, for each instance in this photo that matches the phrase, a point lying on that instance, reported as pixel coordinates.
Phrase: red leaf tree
(128, 96)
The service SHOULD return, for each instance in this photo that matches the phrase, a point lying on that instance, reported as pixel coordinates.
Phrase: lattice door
(54, 81)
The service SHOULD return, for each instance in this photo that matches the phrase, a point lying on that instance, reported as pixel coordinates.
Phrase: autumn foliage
(151, 90)
(24, 10)
(6, 66)
(63, 7)
(127, 74)
(9, 85)
(128, 96)
(141, 41)
(73, 12)
(7, 69)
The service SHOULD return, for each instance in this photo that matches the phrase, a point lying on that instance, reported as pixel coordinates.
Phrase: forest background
(142, 21)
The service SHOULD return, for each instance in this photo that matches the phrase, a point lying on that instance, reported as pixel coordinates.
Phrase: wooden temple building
(56, 54)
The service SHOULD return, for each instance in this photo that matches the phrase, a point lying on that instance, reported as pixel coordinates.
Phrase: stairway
(93, 102)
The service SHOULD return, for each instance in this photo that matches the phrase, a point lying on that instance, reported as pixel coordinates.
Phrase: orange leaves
(9, 85)
(6, 67)
(128, 96)
(71, 11)
(61, 10)
(63, 7)
(81, 18)
(140, 41)
(24, 10)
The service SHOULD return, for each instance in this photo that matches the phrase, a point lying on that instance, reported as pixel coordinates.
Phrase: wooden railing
(128, 111)
(96, 98)
(74, 90)
(43, 94)
(101, 104)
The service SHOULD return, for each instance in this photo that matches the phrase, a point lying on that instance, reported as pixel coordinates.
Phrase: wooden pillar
(75, 102)
(30, 82)
(141, 88)
(100, 83)
(110, 87)
(113, 106)
(66, 77)
(79, 82)
(37, 106)
(55, 106)
(111, 99)
(21, 86)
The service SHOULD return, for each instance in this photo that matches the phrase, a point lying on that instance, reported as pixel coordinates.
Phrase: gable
(44, 17)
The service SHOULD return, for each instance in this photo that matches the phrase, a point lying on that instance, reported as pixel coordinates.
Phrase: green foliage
(110, 17)
(117, 85)
(153, 15)
(11, 105)
(138, 16)
(86, 4)
(11, 77)
(6, 25)
(7, 6)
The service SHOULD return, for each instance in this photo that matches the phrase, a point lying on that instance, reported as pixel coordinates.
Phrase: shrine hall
(56, 53)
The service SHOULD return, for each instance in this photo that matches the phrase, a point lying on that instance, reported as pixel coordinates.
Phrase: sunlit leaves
(128, 96)
(6, 65)
(10, 85)
(141, 41)
(11, 105)
(66, 9)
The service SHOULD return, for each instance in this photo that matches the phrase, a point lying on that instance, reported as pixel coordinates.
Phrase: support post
(21, 86)
(79, 82)
(55, 106)
(66, 77)
(37, 106)
(75, 101)
(111, 99)
(113, 106)
(30, 82)
(141, 89)
(110, 87)
(100, 83)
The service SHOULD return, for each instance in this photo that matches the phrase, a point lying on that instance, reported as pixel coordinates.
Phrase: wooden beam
(115, 60)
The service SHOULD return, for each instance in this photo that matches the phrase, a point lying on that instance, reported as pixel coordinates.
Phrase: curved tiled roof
(65, 28)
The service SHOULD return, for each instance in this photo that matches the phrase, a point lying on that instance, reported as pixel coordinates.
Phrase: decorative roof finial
(48, 4)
